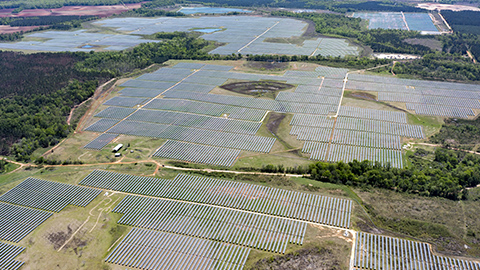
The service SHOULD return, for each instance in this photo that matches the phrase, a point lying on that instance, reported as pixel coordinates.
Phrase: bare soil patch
(274, 121)
(270, 65)
(320, 258)
(257, 88)
(7, 29)
(363, 95)
(427, 42)
(58, 238)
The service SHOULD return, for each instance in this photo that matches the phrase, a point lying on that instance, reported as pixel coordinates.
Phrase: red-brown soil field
(101, 11)
(7, 29)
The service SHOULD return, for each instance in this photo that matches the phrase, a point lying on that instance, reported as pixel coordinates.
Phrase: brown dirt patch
(267, 89)
(308, 258)
(270, 65)
(274, 121)
(363, 95)
(7, 29)
(58, 238)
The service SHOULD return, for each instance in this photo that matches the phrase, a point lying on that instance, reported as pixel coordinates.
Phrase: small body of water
(208, 30)
(87, 47)
(210, 10)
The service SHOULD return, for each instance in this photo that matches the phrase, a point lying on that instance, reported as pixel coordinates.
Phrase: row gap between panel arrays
(230, 208)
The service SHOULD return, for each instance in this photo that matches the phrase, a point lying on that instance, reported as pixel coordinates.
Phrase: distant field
(101, 11)
(7, 29)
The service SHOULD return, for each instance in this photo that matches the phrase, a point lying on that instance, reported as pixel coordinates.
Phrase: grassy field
(451, 226)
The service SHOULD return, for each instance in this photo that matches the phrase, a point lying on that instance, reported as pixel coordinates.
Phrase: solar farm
(176, 104)
(171, 169)
(398, 20)
(195, 222)
(246, 35)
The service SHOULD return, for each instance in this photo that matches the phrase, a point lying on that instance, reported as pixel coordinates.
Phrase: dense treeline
(463, 21)
(39, 120)
(3, 165)
(117, 63)
(447, 175)
(342, 62)
(459, 133)
(46, 72)
(440, 66)
(11, 37)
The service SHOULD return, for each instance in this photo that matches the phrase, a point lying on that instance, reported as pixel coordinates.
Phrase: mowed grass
(72, 149)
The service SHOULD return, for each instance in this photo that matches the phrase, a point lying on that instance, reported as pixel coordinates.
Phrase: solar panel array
(384, 20)
(440, 110)
(196, 121)
(404, 130)
(368, 139)
(248, 197)
(197, 153)
(18, 221)
(381, 252)
(347, 153)
(318, 150)
(248, 35)
(100, 142)
(388, 116)
(74, 41)
(147, 249)
(424, 97)
(210, 222)
(125, 101)
(207, 109)
(398, 20)
(8, 253)
(102, 125)
(47, 195)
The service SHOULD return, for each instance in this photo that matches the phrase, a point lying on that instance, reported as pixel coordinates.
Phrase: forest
(463, 21)
(447, 175)
(459, 133)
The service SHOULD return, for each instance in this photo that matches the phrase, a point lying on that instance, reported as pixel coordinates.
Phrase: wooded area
(446, 176)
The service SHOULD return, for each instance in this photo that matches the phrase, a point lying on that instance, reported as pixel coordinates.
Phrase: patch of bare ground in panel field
(323, 249)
